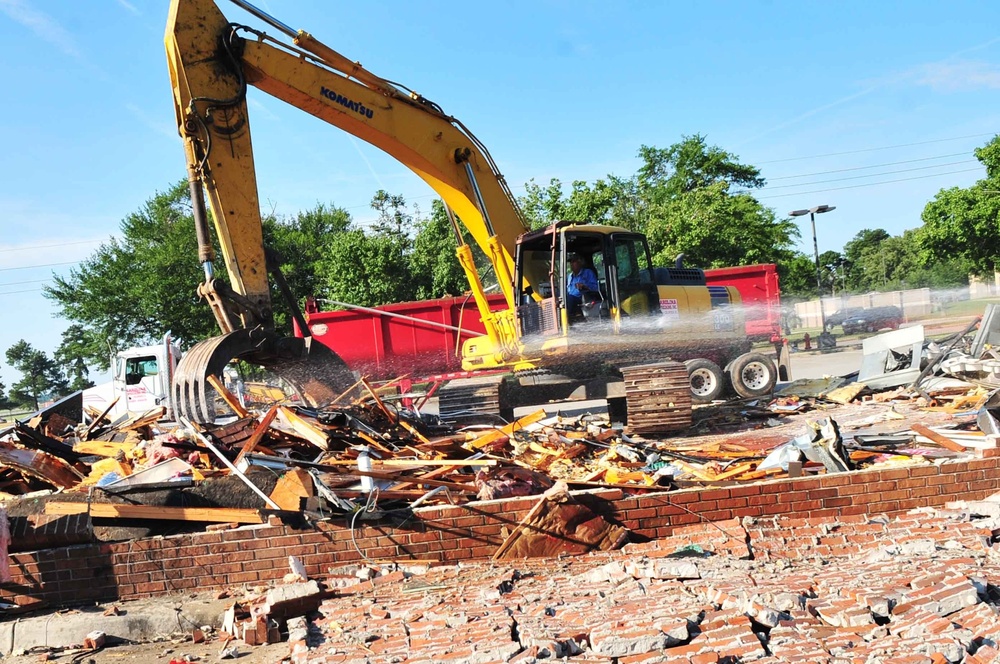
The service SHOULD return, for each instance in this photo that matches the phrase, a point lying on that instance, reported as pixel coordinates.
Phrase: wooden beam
(90, 429)
(102, 448)
(935, 437)
(109, 511)
(413, 430)
(385, 409)
(258, 434)
(305, 429)
(736, 469)
(497, 436)
(227, 396)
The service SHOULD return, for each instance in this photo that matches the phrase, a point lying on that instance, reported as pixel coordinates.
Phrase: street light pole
(812, 212)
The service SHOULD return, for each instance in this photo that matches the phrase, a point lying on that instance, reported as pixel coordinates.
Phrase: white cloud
(41, 24)
(157, 125)
(957, 75)
(130, 7)
(261, 110)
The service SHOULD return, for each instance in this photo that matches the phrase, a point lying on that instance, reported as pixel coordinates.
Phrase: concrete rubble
(920, 587)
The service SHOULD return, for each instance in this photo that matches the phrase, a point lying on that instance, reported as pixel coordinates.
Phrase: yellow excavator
(634, 312)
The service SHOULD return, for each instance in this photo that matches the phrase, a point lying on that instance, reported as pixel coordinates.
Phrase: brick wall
(258, 554)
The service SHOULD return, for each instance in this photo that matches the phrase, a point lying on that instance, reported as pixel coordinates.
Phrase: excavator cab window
(586, 306)
(537, 273)
(634, 290)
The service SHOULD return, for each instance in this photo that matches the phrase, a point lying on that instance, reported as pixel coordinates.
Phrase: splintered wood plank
(737, 469)
(205, 514)
(251, 443)
(99, 419)
(227, 396)
(291, 488)
(935, 437)
(498, 435)
(102, 448)
(305, 429)
(378, 401)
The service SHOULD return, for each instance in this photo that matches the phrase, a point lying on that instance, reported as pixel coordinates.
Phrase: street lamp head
(819, 209)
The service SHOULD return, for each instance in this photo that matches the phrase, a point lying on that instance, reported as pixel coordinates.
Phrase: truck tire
(753, 375)
(707, 380)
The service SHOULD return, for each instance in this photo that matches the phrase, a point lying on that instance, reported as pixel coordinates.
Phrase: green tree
(797, 275)
(965, 222)
(368, 269)
(433, 263)
(864, 239)
(898, 263)
(40, 375)
(138, 286)
(134, 288)
(689, 198)
(76, 346)
(716, 229)
(301, 244)
(5, 403)
(392, 214)
(690, 165)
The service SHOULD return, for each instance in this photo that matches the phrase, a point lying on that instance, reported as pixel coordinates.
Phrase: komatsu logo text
(347, 103)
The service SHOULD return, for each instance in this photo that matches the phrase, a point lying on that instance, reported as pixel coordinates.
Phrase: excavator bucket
(316, 372)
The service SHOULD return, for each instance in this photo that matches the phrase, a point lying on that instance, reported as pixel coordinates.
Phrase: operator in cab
(582, 279)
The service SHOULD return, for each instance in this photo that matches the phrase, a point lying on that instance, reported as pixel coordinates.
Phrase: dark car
(871, 320)
(838, 317)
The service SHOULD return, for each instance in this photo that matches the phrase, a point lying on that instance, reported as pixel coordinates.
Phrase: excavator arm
(212, 61)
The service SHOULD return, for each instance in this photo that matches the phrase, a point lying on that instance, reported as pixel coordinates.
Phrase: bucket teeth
(316, 372)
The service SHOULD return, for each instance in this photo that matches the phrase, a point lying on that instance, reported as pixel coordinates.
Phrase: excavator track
(316, 372)
(658, 397)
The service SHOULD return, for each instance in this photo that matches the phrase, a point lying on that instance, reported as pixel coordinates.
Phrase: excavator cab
(618, 258)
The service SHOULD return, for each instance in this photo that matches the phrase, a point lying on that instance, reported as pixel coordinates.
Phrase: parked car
(872, 320)
(838, 317)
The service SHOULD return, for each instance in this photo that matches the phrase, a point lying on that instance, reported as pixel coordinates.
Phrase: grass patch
(968, 307)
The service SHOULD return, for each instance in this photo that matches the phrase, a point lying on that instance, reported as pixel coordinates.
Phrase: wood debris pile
(367, 447)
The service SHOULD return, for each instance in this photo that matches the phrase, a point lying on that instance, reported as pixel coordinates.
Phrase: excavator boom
(212, 62)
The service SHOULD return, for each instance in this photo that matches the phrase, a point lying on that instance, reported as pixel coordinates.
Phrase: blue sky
(553, 88)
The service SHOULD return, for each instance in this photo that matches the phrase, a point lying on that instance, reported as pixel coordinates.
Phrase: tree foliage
(301, 244)
(76, 346)
(5, 403)
(137, 286)
(965, 222)
(400, 257)
(433, 262)
(368, 268)
(40, 375)
(689, 198)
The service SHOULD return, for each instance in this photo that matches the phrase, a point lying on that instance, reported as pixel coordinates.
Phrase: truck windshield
(137, 368)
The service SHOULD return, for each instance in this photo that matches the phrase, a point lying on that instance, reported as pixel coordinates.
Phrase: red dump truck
(423, 338)
(758, 286)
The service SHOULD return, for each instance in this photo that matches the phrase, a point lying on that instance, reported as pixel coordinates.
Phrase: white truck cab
(141, 381)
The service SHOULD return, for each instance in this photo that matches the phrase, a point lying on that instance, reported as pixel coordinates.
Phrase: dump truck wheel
(707, 379)
(753, 375)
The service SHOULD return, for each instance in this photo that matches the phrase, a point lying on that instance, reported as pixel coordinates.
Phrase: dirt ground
(160, 653)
